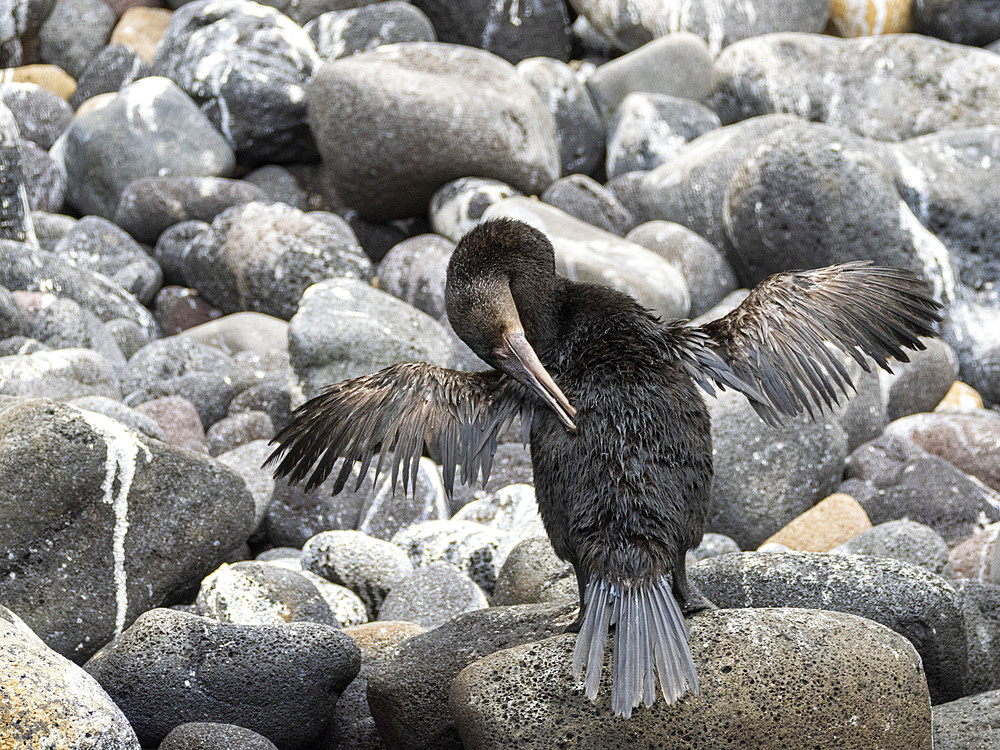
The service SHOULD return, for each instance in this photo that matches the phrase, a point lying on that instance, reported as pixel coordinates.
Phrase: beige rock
(960, 396)
(141, 29)
(851, 18)
(830, 522)
(96, 102)
(971, 559)
(50, 77)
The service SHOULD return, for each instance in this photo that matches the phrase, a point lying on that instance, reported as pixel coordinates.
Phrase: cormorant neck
(538, 299)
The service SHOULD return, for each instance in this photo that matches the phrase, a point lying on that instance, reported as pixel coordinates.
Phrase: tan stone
(96, 102)
(960, 396)
(851, 18)
(141, 29)
(830, 522)
(971, 559)
(50, 77)
(377, 639)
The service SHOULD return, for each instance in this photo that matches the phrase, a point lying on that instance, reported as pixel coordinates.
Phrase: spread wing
(394, 413)
(777, 339)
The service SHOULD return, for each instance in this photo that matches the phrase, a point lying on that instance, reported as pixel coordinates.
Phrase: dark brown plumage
(620, 437)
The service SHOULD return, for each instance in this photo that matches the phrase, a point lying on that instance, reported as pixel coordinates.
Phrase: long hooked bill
(526, 367)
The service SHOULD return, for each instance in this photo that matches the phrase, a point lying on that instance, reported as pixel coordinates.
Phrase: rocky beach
(211, 210)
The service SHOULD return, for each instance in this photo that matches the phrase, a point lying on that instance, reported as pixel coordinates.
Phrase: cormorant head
(501, 291)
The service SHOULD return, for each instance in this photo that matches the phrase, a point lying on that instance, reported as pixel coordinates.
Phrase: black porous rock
(74, 33)
(708, 274)
(272, 398)
(99, 245)
(280, 186)
(114, 67)
(408, 692)
(52, 702)
(784, 207)
(247, 67)
(651, 129)
(588, 254)
(171, 246)
(151, 205)
(459, 205)
(445, 111)
(920, 384)
(471, 548)
(579, 128)
(41, 115)
(127, 334)
(204, 735)
(281, 681)
(771, 678)
(719, 22)
(50, 228)
(764, 476)
(589, 201)
(63, 324)
(676, 65)
(263, 256)
(932, 85)
(912, 601)
(369, 567)
(901, 540)
(510, 30)
(117, 411)
(345, 328)
(111, 501)
(971, 22)
(32, 370)
(968, 723)
(431, 596)
(894, 478)
(107, 148)
(30, 269)
(15, 223)
(254, 593)
(415, 271)
(347, 32)
(532, 574)
(44, 182)
(238, 429)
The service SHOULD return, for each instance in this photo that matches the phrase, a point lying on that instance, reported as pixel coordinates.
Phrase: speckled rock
(967, 723)
(52, 702)
(27, 268)
(41, 115)
(970, 440)
(431, 596)
(169, 249)
(172, 357)
(972, 558)
(447, 111)
(512, 508)
(178, 308)
(826, 667)
(204, 735)
(408, 692)
(150, 205)
(236, 430)
(98, 245)
(893, 478)
(281, 681)
(648, 130)
(676, 65)
(92, 480)
(61, 323)
(246, 66)
(514, 32)
(901, 540)
(831, 522)
(368, 567)
(906, 598)
(117, 411)
(262, 257)
(708, 275)
(579, 128)
(457, 206)
(532, 574)
(345, 328)
(719, 22)
(172, 137)
(591, 202)
(917, 386)
(798, 73)
(586, 253)
(415, 271)
(61, 375)
(471, 548)
(178, 419)
(386, 510)
(342, 33)
(511, 465)
(765, 477)
(252, 593)
(75, 32)
(109, 70)
(960, 21)
(254, 333)
(45, 184)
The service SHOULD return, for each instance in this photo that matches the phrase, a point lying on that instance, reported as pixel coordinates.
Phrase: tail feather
(650, 644)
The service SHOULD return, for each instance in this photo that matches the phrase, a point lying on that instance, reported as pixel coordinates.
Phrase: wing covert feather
(777, 339)
(395, 413)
